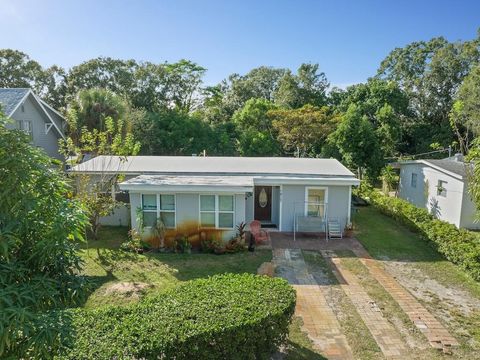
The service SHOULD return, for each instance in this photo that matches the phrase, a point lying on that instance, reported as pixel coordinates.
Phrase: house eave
(145, 188)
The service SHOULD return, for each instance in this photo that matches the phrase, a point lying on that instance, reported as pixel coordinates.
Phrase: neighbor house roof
(12, 98)
(280, 166)
(457, 169)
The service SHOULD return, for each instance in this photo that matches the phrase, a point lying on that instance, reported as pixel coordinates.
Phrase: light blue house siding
(187, 210)
(287, 201)
(293, 199)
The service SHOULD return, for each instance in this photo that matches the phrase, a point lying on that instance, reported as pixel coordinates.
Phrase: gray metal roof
(10, 98)
(449, 166)
(456, 167)
(213, 165)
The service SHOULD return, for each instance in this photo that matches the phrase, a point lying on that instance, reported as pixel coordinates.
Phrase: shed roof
(448, 166)
(215, 165)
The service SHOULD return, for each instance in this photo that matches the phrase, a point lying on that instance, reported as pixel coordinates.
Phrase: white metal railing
(312, 217)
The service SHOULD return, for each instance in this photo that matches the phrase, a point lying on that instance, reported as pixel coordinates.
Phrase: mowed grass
(106, 265)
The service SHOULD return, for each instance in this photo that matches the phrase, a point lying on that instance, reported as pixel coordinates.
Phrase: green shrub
(182, 245)
(135, 243)
(460, 246)
(211, 244)
(227, 316)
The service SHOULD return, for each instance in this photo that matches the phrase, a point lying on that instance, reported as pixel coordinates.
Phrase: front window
(316, 202)
(158, 206)
(217, 211)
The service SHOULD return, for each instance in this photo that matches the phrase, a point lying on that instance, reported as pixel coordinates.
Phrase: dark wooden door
(263, 203)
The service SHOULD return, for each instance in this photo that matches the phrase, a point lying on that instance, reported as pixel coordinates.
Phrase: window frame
(413, 184)
(158, 209)
(325, 199)
(216, 211)
(22, 123)
(441, 185)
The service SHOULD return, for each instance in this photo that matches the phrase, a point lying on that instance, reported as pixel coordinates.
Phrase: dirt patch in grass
(127, 289)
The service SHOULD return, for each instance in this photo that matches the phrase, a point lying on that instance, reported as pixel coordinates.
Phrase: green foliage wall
(40, 227)
(223, 317)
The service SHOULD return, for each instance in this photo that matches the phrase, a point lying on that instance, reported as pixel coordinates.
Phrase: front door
(263, 203)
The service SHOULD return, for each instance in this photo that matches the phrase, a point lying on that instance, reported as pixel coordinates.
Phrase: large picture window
(217, 211)
(156, 206)
(315, 202)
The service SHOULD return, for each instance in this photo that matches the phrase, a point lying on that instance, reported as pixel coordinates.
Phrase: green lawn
(108, 266)
(384, 238)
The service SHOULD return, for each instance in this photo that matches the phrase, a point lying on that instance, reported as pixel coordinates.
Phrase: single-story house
(193, 192)
(440, 186)
(40, 121)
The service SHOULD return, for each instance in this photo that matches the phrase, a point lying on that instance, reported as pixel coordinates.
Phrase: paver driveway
(320, 322)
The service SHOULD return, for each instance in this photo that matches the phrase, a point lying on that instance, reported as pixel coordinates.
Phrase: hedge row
(460, 246)
(223, 317)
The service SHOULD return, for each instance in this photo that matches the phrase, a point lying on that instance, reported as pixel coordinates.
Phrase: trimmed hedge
(223, 317)
(460, 246)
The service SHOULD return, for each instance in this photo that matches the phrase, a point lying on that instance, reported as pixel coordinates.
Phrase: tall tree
(172, 132)
(308, 86)
(387, 108)
(255, 133)
(303, 131)
(357, 144)
(17, 69)
(115, 75)
(99, 123)
(465, 114)
(431, 72)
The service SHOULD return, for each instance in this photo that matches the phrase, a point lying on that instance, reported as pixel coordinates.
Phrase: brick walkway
(436, 334)
(319, 321)
(387, 338)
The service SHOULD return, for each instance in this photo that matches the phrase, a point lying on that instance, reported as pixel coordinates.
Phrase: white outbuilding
(440, 186)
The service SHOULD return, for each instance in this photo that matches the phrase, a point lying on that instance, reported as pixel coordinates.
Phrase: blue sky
(347, 38)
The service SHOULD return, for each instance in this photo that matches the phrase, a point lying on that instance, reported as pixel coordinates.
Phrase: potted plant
(349, 230)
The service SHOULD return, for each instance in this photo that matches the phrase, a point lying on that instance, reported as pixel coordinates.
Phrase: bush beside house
(223, 317)
(460, 246)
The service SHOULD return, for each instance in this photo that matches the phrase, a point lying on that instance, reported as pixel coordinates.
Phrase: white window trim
(325, 202)
(216, 211)
(48, 126)
(158, 210)
(442, 184)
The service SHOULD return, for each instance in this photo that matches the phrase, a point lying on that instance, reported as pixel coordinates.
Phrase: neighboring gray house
(221, 192)
(34, 116)
(439, 186)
